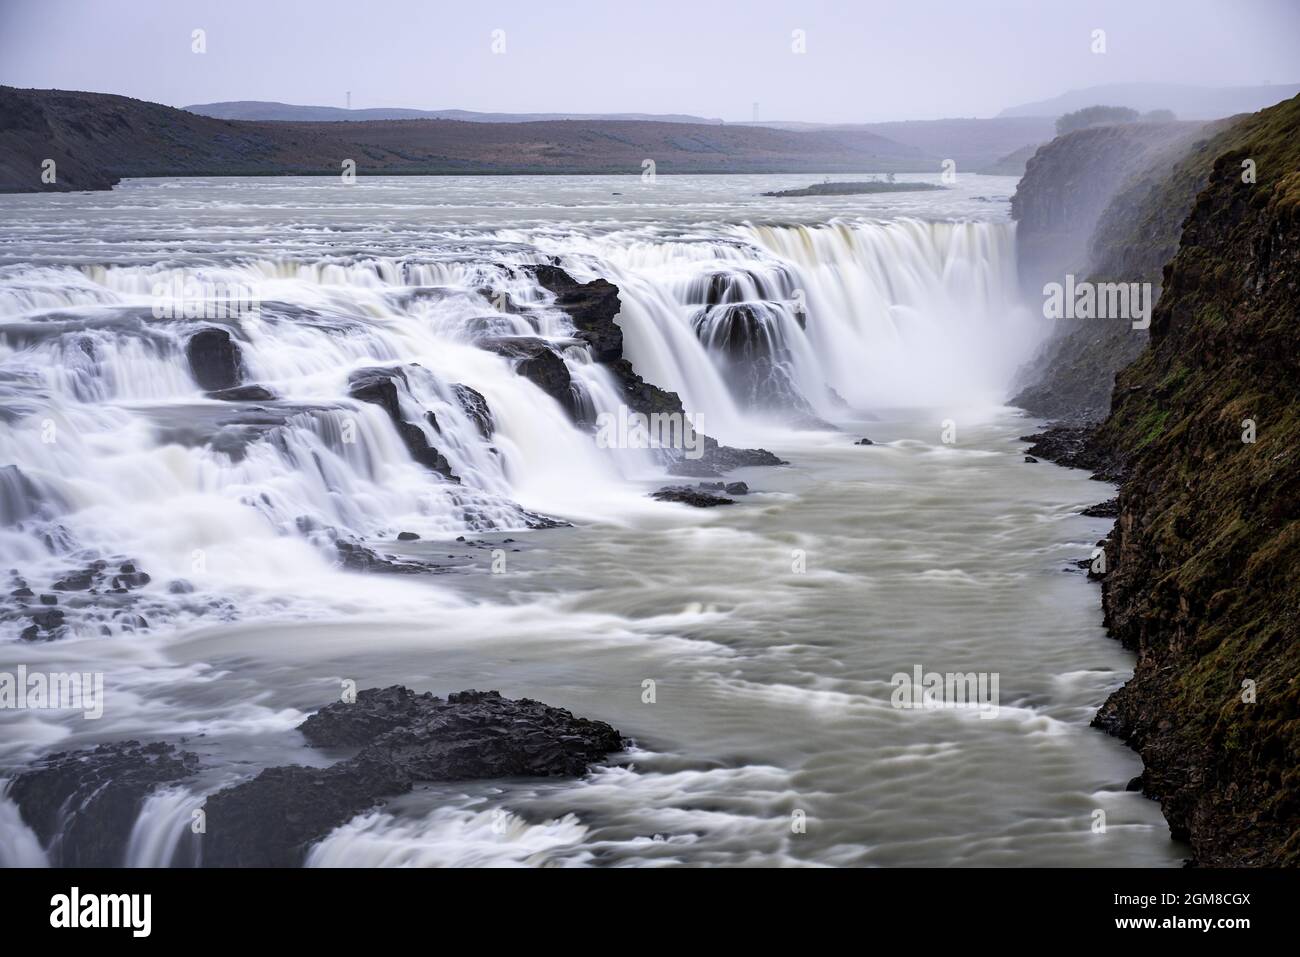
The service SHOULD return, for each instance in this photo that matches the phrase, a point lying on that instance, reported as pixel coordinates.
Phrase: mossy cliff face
(1105, 204)
(1203, 576)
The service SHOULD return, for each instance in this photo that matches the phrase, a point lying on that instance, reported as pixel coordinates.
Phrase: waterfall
(765, 317)
(114, 453)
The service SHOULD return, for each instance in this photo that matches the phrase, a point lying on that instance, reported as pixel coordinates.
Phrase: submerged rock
(404, 738)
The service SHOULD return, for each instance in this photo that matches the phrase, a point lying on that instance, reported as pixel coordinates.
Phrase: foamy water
(770, 629)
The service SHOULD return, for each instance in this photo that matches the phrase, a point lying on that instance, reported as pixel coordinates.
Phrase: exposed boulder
(214, 359)
(697, 497)
(243, 393)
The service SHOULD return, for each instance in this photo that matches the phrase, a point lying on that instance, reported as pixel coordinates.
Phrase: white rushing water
(778, 322)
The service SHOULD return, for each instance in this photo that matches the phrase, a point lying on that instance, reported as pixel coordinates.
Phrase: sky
(862, 61)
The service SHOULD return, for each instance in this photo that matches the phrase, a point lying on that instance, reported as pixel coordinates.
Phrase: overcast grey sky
(864, 60)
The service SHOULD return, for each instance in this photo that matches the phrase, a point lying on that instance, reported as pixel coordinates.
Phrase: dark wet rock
(537, 361)
(180, 586)
(23, 592)
(1106, 509)
(1073, 446)
(407, 537)
(695, 497)
(129, 580)
(379, 387)
(84, 804)
(79, 580)
(731, 488)
(243, 393)
(404, 738)
(1031, 460)
(591, 305)
(864, 441)
(362, 559)
(214, 359)
(476, 407)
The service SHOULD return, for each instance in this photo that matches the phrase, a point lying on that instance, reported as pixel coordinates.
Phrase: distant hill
(97, 139)
(267, 110)
(1187, 102)
(973, 144)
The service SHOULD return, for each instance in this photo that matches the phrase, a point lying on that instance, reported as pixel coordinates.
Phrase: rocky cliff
(1202, 562)
(1103, 204)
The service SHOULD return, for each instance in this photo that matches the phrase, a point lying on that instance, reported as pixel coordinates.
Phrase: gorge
(380, 470)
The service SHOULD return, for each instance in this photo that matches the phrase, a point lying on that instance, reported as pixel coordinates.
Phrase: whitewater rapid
(776, 326)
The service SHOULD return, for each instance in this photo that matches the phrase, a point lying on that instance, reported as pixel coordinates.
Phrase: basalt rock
(83, 804)
(1200, 578)
(403, 738)
(214, 359)
(695, 497)
(537, 361)
(592, 306)
(244, 393)
(379, 386)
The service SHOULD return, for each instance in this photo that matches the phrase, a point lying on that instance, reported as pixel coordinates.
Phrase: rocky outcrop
(403, 738)
(214, 359)
(82, 805)
(537, 361)
(380, 387)
(697, 497)
(1202, 559)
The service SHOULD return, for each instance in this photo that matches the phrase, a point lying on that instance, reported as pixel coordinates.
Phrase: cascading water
(196, 538)
(773, 318)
